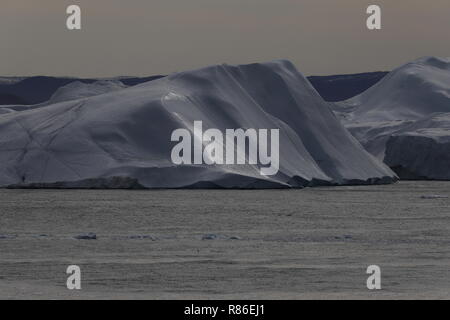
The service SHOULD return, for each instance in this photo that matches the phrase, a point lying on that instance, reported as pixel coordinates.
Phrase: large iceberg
(404, 119)
(121, 137)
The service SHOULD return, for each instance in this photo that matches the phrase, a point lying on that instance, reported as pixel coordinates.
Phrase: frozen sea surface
(188, 244)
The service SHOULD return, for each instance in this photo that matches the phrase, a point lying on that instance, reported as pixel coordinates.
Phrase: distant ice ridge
(121, 137)
(72, 91)
(10, 80)
(77, 90)
(404, 119)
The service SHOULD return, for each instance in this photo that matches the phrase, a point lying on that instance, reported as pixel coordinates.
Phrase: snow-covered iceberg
(123, 137)
(405, 119)
(72, 91)
(77, 90)
(39, 89)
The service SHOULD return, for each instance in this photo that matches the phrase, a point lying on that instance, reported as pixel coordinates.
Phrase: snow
(72, 91)
(122, 136)
(77, 90)
(410, 92)
(10, 80)
(404, 119)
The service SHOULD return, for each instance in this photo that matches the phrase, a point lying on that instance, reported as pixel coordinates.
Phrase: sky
(149, 37)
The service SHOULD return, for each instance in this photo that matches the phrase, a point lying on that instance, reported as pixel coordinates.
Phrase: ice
(404, 119)
(122, 138)
(39, 89)
(434, 196)
(213, 236)
(7, 237)
(209, 237)
(77, 90)
(86, 236)
(142, 237)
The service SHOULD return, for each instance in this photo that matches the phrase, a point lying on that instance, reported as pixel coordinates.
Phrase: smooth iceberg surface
(77, 90)
(122, 137)
(404, 119)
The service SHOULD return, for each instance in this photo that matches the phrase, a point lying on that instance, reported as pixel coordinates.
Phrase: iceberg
(119, 137)
(404, 120)
(77, 90)
(86, 236)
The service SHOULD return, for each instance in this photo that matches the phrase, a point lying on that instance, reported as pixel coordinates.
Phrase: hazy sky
(145, 37)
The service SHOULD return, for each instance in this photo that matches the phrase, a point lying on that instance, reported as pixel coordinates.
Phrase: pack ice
(114, 137)
(405, 119)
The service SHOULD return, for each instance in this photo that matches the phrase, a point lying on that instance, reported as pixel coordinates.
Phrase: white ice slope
(405, 119)
(123, 138)
(77, 90)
